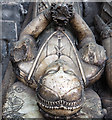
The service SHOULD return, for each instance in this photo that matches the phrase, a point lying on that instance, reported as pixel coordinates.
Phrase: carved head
(60, 90)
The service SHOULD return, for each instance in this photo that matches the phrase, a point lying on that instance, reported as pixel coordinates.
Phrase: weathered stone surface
(3, 49)
(101, 87)
(92, 107)
(106, 12)
(24, 104)
(4, 63)
(0, 92)
(109, 113)
(8, 80)
(90, 10)
(3, 45)
(9, 30)
(106, 97)
(11, 11)
(89, 109)
(9, 34)
(24, 49)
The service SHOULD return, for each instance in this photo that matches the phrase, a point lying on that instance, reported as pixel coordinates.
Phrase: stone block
(9, 30)
(11, 11)
(106, 12)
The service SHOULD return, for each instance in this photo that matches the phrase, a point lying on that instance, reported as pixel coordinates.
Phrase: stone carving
(60, 71)
(20, 103)
(13, 104)
(61, 14)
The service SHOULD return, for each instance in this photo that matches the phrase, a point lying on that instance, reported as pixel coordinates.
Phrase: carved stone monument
(66, 61)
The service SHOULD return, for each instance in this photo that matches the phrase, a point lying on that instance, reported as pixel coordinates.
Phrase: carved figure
(60, 70)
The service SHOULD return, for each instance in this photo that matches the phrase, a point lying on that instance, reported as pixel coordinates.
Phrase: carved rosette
(61, 14)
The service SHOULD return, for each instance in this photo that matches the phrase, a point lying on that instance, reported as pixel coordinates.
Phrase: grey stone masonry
(9, 30)
(11, 12)
(106, 12)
